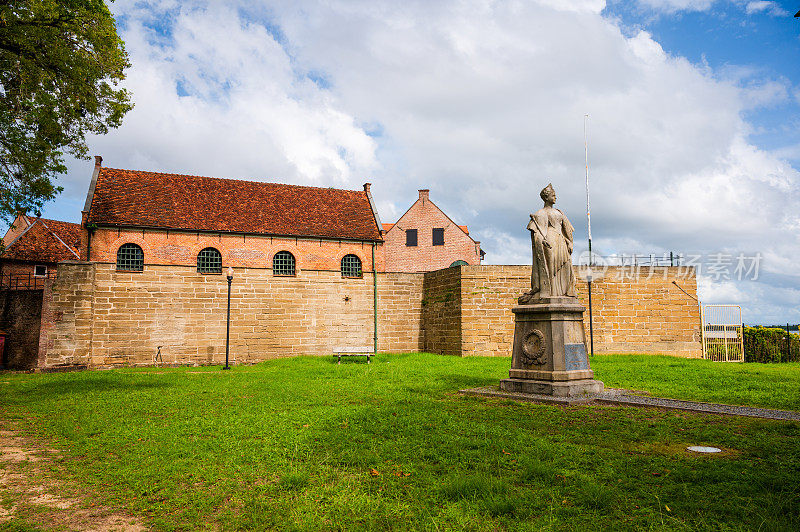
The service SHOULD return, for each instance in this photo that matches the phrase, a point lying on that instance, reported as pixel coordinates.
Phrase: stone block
(549, 352)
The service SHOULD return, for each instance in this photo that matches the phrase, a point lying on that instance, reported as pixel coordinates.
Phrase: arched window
(283, 263)
(459, 263)
(351, 266)
(130, 258)
(209, 260)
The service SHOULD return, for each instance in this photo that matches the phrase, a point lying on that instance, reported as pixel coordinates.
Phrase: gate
(723, 333)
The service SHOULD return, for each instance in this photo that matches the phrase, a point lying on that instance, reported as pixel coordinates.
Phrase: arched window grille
(459, 263)
(283, 263)
(209, 260)
(351, 266)
(130, 258)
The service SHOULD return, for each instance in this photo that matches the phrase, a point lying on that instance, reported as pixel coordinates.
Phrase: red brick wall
(240, 251)
(19, 274)
(424, 216)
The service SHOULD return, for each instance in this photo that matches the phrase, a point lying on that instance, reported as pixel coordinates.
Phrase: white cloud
(481, 102)
(593, 6)
(766, 93)
(672, 6)
(245, 111)
(763, 6)
(761, 303)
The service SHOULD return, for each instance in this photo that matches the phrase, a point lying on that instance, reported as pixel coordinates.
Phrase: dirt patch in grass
(28, 494)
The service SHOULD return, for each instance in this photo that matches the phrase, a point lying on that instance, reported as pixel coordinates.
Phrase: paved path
(614, 396)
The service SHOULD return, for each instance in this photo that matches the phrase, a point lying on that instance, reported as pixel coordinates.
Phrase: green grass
(751, 384)
(305, 444)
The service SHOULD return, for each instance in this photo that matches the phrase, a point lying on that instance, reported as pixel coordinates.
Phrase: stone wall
(20, 319)
(441, 312)
(488, 293)
(68, 338)
(107, 318)
(99, 317)
(645, 310)
(639, 311)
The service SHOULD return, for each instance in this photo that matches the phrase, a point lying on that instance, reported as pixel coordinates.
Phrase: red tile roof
(46, 241)
(173, 201)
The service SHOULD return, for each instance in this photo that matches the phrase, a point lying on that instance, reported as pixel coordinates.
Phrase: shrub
(766, 344)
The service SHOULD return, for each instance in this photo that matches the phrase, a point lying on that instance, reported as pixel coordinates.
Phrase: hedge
(762, 344)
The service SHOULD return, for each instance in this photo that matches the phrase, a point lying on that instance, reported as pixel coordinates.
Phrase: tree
(60, 65)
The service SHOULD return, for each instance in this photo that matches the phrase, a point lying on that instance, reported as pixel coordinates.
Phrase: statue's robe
(552, 265)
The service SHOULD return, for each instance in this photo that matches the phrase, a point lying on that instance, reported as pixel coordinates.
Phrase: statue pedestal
(549, 356)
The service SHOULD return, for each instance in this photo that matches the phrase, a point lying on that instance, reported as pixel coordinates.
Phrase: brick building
(135, 218)
(32, 248)
(132, 219)
(426, 239)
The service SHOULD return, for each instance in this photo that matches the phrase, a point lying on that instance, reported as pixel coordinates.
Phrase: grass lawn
(302, 443)
(749, 384)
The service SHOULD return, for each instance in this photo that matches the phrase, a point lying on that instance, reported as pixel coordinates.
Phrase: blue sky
(760, 46)
(694, 108)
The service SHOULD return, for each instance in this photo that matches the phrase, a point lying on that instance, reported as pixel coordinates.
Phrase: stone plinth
(549, 355)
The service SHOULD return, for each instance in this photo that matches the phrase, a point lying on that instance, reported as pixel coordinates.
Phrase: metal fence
(723, 333)
(634, 259)
(24, 281)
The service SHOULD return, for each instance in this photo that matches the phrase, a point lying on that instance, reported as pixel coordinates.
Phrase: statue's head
(548, 193)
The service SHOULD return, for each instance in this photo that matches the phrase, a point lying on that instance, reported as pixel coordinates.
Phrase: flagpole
(588, 210)
(589, 222)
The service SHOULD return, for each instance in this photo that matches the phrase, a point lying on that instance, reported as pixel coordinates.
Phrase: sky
(693, 119)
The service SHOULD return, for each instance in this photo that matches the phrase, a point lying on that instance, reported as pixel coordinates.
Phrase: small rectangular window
(40, 271)
(411, 237)
(438, 236)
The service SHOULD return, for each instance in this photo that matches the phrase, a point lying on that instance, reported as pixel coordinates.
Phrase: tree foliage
(60, 65)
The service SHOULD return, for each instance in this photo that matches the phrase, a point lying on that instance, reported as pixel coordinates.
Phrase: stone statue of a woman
(551, 241)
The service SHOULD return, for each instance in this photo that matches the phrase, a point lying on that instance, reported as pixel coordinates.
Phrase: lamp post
(228, 328)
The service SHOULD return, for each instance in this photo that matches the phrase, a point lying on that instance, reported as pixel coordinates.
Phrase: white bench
(353, 352)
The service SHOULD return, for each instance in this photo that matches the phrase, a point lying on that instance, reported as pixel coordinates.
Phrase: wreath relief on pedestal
(533, 348)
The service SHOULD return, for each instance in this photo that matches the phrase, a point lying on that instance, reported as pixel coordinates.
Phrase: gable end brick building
(32, 248)
(426, 239)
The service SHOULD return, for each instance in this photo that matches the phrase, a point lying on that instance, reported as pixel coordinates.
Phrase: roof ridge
(58, 237)
(59, 221)
(20, 235)
(233, 179)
